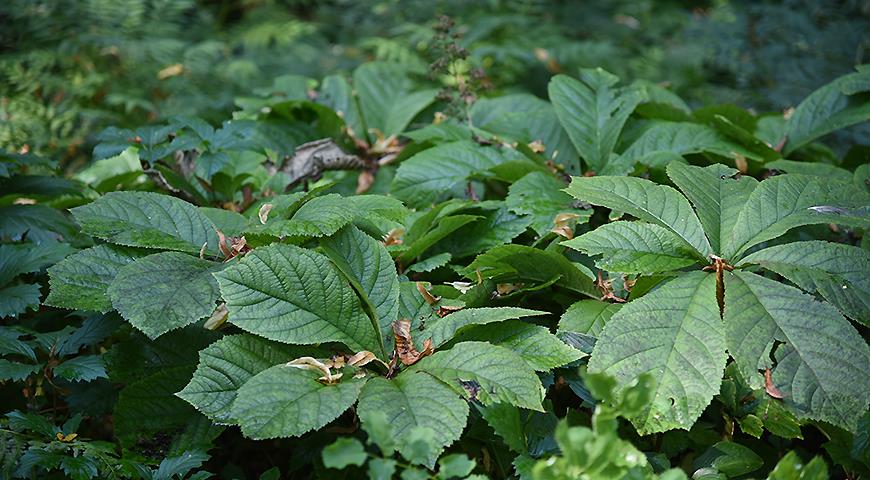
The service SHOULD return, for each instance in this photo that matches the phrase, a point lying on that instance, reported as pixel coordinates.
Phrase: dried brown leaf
(430, 299)
(405, 349)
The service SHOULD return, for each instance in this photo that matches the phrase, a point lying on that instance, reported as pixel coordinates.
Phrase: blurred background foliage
(69, 68)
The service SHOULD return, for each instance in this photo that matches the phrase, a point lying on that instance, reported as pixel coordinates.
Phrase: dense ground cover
(361, 239)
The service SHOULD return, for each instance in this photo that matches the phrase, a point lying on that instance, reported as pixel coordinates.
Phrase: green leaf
(318, 217)
(587, 317)
(634, 247)
(593, 112)
(432, 263)
(17, 298)
(442, 172)
(35, 223)
(16, 259)
(15, 371)
(382, 89)
(180, 466)
(82, 368)
(502, 375)
(716, 195)
(284, 401)
(675, 334)
(540, 349)
(149, 405)
(497, 227)
(659, 204)
(526, 118)
(415, 400)
(783, 202)
(382, 468)
(519, 263)
(80, 281)
(10, 343)
(836, 271)
(820, 359)
(405, 108)
(224, 366)
(442, 329)
(810, 168)
(444, 227)
(831, 107)
(455, 465)
(539, 195)
(668, 140)
(729, 458)
(165, 291)
(294, 295)
(369, 268)
(148, 220)
(791, 467)
(343, 452)
(505, 420)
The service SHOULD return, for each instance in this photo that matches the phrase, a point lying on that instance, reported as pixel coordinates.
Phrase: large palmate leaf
(819, 362)
(442, 329)
(542, 350)
(526, 118)
(659, 204)
(539, 195)
(415, 399)
(675, 334)
(837, 272)
(836, 105)
(519, 263)
(366, 264)
(224, 366)
(81, 280)
(665, 141)
(165, 291)
(783, 202)
(593, 112)
(500, 374)
(149, 220)
(443, 171)
(634, 247)
(294, 295)
(283, 401)
(716, 193)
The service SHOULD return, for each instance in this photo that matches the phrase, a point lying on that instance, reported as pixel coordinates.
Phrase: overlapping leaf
(81, 280)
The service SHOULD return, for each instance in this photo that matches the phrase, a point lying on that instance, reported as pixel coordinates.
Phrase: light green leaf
(519, 263)
(81, 280)
(497, 227)
(838, 272)
(165, 291)
(149, 220)
(442, 329)
(442, 172)
(343, 452)
(716, 195)
(659, 204)
(587, 317)
(405, 108)
(285, 401)
(416, 399)
(831, 107)
(379, 87)
(783, 202)
(821, 360)
(455, 465)
(224, 366)
(593, 112)
(634, 247)
(502, 375)
(294, 295)
(366, 264)
(729, 458)
(542, 350)
(539, 195)
(675, 334)
(792, 467)
(318, 217)
(431, 263)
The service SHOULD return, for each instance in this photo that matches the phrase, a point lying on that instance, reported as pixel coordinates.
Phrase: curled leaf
(769, 387)
(394, 237)
(218, 318)
(430, 299)
(263, 213)
(405, 349)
